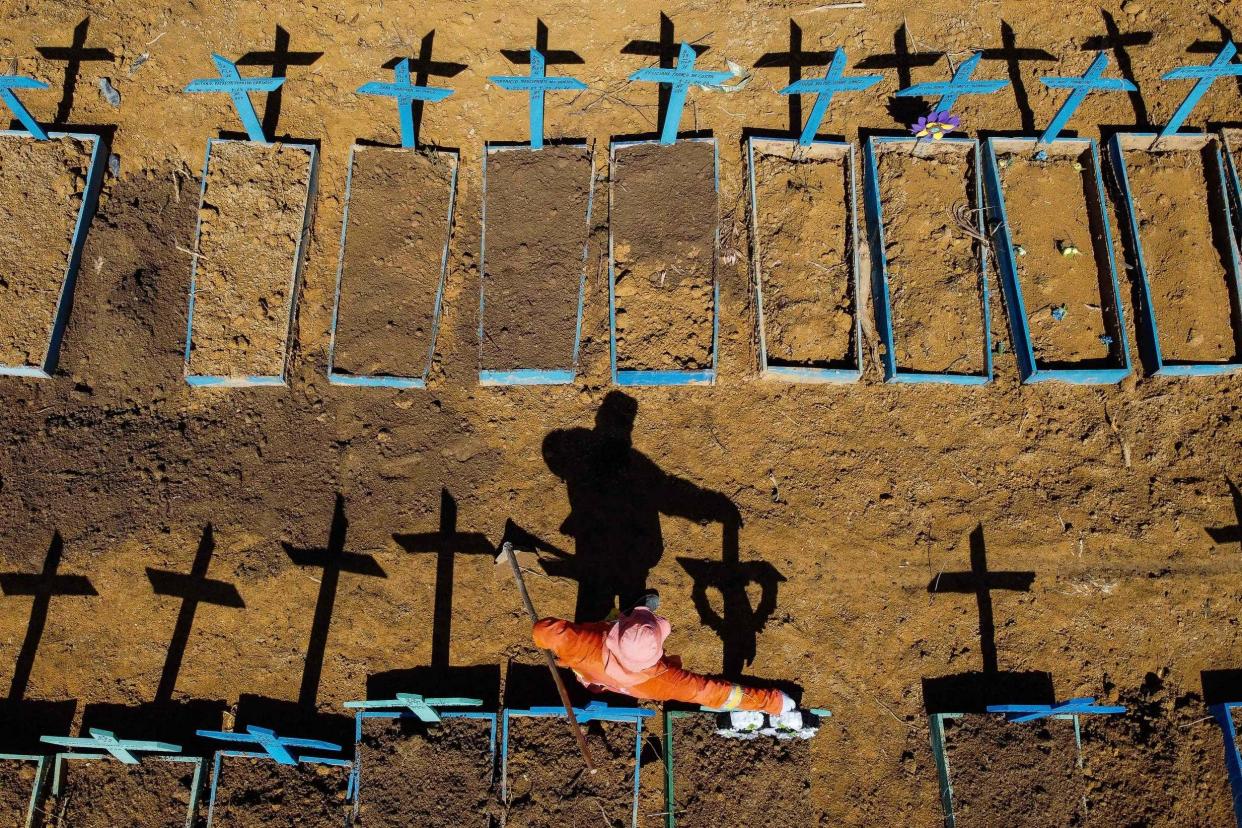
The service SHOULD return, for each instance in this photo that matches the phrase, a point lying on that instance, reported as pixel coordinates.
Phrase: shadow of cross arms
(738, 623)
(1230, 534)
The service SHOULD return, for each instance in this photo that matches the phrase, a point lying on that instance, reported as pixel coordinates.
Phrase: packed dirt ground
(848, 501)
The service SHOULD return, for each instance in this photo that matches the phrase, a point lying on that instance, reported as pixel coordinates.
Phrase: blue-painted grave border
(1223, 715)
(1231, 140)
(41, 767)
(196, 783)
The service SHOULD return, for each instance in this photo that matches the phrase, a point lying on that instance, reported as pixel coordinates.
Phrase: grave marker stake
(1204, 76)
(405, 93)
(105, 740)
(1092, 80)
(950, 91)
(8, 83)
(680, 78)
(276, 747)
(238, 88)
(536, 85)
(832, 82)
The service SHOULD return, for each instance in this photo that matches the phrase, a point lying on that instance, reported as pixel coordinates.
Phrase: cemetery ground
(281, 517)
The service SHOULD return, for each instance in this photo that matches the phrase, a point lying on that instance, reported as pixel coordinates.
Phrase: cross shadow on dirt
(1230, 534)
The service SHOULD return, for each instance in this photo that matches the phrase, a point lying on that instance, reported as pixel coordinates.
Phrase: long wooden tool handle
(507, 550)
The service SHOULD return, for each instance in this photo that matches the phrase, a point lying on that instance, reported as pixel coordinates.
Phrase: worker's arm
(676, 684)
(571, 643)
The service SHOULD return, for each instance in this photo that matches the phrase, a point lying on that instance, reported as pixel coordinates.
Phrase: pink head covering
(636, 640)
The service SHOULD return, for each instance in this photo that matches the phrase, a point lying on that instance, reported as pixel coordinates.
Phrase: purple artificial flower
(936, 125)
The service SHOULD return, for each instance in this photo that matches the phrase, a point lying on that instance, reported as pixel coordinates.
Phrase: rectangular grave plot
(763, 782)
(536, 223)
(544, 779)
(804, 233)
(48, 192)
(258, 792)
(1055, 257)
(1180, 235)
(435, 776)
(393, 261)
(662, 277)
(21, 778)
(929, 275)
(102, 792)
(253, 221)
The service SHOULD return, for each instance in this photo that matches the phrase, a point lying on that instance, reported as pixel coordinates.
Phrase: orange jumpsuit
(580, 647)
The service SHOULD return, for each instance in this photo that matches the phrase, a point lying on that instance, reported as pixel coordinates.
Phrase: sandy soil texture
(16, 783)
(262, 793)
(105, 794)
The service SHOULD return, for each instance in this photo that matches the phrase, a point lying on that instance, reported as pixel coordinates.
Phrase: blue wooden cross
(405, 93)
(273, 746)
(952, 90)
(596, 710)
(1221, 66)
(10, 82)
(1031, 712)
(423, 708)
(536, 84)
(105, 740)
(680, 79)
(239, 89)
(832, 82)
(1093, 80)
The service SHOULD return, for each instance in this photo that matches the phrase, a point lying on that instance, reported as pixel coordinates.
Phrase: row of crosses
(679, 79)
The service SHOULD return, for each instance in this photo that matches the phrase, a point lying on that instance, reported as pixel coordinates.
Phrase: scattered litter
(1106, 339)
(1068, 249)
(1058, 313)
(1019, 250)
(830, 6)
(1042, 155)
(137, 62)
(114, 165)
(109, 92)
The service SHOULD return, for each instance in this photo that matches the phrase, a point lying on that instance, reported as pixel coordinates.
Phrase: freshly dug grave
(1180, 212)
(42, 184)
(933, 267)
(264, 794)
(105, 794)
(664, 218)
(433, 777)
(758, 782)
(250, 224)
(1048, 204)
(548, 786)
(394, 257)
(17, 779)
(1013, 774)
(803, 221)
(534, 255)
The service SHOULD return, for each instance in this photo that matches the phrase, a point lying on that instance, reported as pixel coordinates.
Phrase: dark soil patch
(1049, 205)
(933, 267)
(548, 785)
(804, 249)
(438, 776)
(1014, 774)
(664, 220)
(42, 184)
(264, 794)
(535, 254)
(17, 781)
(394, 257)
(757, 782)
(105, 794)
(250, 225)
(1180, 210)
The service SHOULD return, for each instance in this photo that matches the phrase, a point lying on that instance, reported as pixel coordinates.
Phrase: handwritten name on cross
(824, 88)
(961, 85)
(405, 93)
(536, 85)
(238, 89)
(680, 79)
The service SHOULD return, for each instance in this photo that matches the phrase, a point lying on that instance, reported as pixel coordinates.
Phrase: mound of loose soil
(1048, 204)
(260, 793)
(250, 224)
(535, 241)
(107, 794)
(433, 777)
(394, 257)
(757, 782)
(17, 781)
(548, 786)
(1180, 211)
(804, 244)
(933, 267)
(664, 220)
(42, 184)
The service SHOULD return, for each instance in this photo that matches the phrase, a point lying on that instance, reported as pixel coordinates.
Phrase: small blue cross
(832, 82)
(405, 93)
(680, 79)
(239, 89)
(275, 747)
(10, 82)
(105, 740)
(954, 89)
(1031, 712)
(536, 84)
(424, 709)
(1221, 66)
(1091, 81)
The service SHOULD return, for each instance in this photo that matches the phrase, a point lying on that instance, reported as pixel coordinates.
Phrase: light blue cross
(832, 82)
(276, 747)
(536, 84)
(239, 89)
(1221, 66)
(596, 710)
(952, 90)
(1091, 81)
(680, 79)
(405, 93)
(423, 708)
(1030, 712)
(105, 740)
(10, 82)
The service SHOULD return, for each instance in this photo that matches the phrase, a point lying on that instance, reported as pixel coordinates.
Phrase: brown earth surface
(16, 783)
(264, 794)
(536, 236)
(1116, 498)
(394, 253)
(107, 794)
